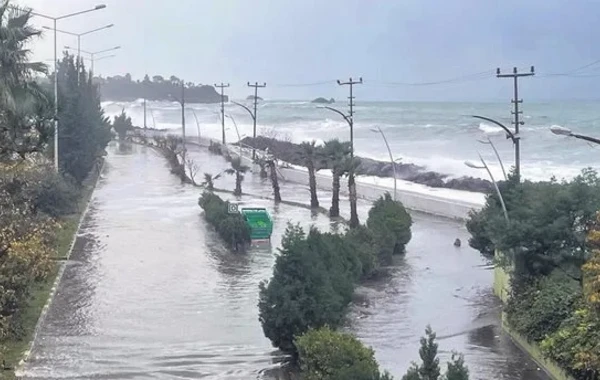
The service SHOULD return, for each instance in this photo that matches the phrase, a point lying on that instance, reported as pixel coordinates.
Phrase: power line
(476, 76)
(320, 83)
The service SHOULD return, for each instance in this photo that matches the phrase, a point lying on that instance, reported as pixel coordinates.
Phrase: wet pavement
(151, 292)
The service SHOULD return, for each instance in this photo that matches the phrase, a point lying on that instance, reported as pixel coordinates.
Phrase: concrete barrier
(454, 207)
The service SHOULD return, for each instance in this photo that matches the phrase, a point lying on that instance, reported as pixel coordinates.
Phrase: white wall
(413, 200)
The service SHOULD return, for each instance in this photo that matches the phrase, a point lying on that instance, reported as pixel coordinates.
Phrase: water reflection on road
(151, 292)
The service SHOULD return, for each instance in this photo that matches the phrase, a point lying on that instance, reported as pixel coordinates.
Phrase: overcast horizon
(308, 42)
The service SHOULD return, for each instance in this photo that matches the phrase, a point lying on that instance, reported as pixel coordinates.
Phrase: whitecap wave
(490, 129)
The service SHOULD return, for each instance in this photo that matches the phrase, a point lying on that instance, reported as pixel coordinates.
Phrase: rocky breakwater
(292, 153)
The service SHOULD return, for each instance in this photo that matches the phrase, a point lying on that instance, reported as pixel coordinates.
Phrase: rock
(290, 152)
(457, 242)
(251, 97)
(323, 101)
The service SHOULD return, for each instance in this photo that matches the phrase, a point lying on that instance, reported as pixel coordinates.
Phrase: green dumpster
(259, 221)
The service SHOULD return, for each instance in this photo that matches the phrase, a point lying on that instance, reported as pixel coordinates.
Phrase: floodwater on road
(151, 292)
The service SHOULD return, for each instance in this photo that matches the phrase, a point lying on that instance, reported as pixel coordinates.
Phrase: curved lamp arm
(509, 133)
(246, 108)
(339, 113)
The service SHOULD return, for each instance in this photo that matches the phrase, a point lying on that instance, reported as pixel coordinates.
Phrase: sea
(438, 136)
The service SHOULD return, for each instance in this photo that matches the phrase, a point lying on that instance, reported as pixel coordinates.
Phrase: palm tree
(271, 164)
(351, 164)
(24, 112)
(337, 153)
(209, 181)
(16, 72)
(312, 158)
(238, 169)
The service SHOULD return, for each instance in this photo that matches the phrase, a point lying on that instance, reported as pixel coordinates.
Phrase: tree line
(40, 208)
(550, 244)
(124, 88)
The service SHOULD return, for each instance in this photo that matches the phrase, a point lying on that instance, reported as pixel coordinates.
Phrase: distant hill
(124, 88)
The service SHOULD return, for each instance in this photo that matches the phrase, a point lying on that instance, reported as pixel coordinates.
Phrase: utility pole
(222, 86)
(183, 119)
(256, 87)
(351, 180)
(517, 122)
(351, 104)
(145, 113)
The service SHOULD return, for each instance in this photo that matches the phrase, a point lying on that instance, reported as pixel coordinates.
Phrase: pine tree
(430, 364)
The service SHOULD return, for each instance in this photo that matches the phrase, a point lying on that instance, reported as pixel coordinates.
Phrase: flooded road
(151, 292)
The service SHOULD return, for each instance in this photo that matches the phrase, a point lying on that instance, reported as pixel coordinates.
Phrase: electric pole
(517, 122)
(222, 86)
(351, 180)
(256, 87)
(351, 104)
(145, 113)
(183, 119)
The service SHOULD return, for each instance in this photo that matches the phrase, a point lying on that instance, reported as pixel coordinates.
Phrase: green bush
(312, 284)
(365, 244)
(325, 354)
(429, 369)
(548, 225)
(537, 309)
(55, 195)
(231, 227)
(390, 223)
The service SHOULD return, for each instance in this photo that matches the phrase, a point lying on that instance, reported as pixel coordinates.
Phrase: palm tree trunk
(334, 211)
(352, 194)
(238, 184)
(312, 184)
(275, 181)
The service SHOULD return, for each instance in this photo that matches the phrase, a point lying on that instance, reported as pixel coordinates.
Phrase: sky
(300, 47)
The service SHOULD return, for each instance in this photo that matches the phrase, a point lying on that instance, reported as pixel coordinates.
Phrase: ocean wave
(489, 129)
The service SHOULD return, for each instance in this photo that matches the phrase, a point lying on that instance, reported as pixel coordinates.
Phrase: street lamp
(197, 123)
(509, 135)
(93, 53)
(182, 102)
(485, 166)
(55, 19)
(236, 131)
(378, 130)
(79, 35)
(253, 116)
(489, 142)
(562, 131)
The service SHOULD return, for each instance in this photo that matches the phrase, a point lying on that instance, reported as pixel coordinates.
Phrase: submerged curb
(61, 270)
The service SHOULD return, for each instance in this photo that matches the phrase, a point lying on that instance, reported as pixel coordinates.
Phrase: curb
(57, 280)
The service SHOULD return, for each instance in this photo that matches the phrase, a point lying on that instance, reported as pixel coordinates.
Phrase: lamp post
(79, 35)
(94, 53)
(489, 142)
(237, 131)
(378, 130)
(253, 116)
(562, 131)
(55, 20)
(485, 166)
(509, 135)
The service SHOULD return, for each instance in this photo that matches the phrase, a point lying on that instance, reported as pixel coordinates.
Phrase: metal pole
(489, 141)
(391, 158)
(518, 141)
(55, 102)
(223, 115)
(183, 119)
(497, 189)
(92, 66)
(145, 113)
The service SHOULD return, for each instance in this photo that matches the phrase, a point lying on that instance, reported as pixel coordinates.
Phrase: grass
(14, 349)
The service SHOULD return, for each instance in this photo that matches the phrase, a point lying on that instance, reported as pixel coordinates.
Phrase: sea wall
(413, 200)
